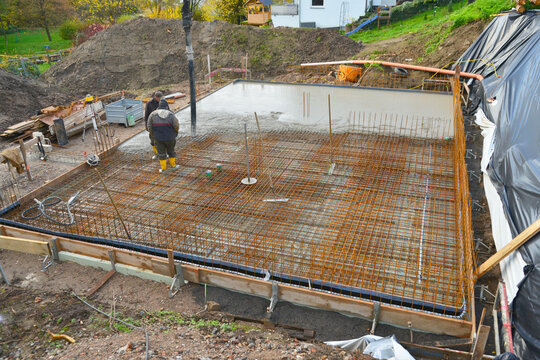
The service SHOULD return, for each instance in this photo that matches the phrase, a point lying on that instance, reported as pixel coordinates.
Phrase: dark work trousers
(165, 148)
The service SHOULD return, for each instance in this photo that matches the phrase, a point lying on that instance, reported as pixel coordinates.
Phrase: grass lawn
(31, 41)
(432, 21)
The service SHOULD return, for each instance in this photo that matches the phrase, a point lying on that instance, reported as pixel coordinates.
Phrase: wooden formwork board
(397, 316)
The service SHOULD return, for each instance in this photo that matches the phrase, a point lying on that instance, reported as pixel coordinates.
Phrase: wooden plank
(26, 167)
(431, 352)
(509, 248)
(480, 343)
(24, 245)
(302, 296)
(450, 343)
(102, 282)
(161, 266)
(82, 248)
(170, 258)
(322, 300)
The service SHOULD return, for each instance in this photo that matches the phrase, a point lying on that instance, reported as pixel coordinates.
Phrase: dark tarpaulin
(512, 43)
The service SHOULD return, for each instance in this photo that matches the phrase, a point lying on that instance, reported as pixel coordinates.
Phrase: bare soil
(145, 53)
(21, 97)
(178, 328)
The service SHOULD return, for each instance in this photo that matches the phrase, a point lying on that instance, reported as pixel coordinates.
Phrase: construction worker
(150, 107)
(163, 127)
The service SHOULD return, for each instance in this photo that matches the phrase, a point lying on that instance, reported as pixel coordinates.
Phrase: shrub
(69, 29)
(88, 31)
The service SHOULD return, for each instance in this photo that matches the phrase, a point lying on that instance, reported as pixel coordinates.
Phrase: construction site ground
(179, 328)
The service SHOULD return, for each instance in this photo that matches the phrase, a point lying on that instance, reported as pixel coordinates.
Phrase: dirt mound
(145, 53)
(22, 97)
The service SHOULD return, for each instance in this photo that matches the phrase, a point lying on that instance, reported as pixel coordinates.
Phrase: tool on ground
(276, 198)
(88, 101)
(248, 180)
(332, 164)
(42, 154)
(93, 161)
(61, 336)
(3, 275)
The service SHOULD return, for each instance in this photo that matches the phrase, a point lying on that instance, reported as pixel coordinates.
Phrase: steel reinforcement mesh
(383, 226)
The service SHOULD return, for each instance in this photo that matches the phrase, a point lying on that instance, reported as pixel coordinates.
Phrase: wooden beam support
(102, 282)
(302, 296)
(24, 245)
(480, 343)
(509, 248)
(431, 352)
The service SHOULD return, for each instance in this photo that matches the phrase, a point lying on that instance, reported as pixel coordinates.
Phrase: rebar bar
(392, 214)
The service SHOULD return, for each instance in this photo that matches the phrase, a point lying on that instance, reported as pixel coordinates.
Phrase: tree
(104, 10)
(43, 13)
(232, 11)
(4, 21)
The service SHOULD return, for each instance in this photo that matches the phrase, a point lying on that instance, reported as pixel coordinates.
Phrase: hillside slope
(144, 53)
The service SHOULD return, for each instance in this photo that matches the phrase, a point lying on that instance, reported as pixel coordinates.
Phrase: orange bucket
(349, 73)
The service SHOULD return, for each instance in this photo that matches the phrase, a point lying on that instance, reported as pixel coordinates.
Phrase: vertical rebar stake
(332, 164)
(249, 180)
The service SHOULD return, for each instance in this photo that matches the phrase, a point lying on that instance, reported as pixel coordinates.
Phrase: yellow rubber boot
(173, 163)
(163, 164)
(155, 149)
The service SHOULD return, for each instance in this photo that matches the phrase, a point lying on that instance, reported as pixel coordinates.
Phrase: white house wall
(323, 17)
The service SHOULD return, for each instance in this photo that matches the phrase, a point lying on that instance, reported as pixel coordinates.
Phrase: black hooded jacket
(162, 124)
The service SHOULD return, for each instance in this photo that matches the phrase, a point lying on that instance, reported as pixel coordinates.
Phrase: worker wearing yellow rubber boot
(163, 127)
(151, 106)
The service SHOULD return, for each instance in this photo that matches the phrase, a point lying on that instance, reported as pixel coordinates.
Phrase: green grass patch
(431, 22)
(31, 41)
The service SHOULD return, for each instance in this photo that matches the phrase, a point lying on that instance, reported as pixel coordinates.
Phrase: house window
(318, 3)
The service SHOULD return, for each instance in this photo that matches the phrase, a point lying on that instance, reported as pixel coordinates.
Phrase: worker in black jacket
(163, 126)
(150, 107)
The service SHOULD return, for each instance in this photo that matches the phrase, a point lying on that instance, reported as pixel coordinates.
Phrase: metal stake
(332, 164)
(186, 24)
(3, 275)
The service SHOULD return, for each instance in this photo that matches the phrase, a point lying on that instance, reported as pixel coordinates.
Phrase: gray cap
(158, 94)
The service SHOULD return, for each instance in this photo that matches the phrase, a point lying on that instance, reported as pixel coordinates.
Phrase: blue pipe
(368, 21)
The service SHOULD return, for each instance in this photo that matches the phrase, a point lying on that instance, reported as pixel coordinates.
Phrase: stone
(213, 306)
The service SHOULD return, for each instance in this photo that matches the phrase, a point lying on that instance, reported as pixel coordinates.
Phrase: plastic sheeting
(509, 96)
(378, 347)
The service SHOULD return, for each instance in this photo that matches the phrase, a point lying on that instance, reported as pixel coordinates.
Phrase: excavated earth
(145, 53)
(22, 97)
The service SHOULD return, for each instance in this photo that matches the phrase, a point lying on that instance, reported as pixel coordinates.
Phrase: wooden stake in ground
(26, 167)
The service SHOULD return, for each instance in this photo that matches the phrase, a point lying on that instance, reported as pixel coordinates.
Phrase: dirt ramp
(21, 97)
(144, 53)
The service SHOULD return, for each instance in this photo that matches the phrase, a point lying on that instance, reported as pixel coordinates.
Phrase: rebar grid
(385, 222)
(462, 199)
(378, 76)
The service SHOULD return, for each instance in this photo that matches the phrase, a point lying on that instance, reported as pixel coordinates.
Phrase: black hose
(50, 201)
